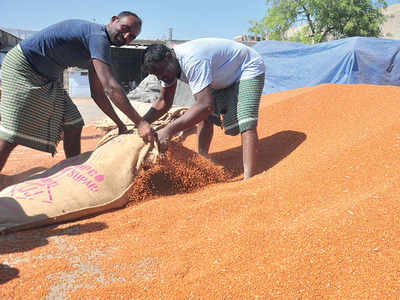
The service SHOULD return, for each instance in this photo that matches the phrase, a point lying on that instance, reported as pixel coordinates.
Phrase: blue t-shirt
(71, 43)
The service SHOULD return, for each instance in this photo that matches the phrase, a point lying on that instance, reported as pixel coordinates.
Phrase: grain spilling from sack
(179, 171)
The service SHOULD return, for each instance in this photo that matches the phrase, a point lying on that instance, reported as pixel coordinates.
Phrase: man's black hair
(153, 55)
(129, 13)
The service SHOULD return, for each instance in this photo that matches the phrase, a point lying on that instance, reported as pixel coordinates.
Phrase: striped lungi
(238, 104)
(34, 109)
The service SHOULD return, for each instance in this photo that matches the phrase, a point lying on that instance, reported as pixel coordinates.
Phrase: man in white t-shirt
(226, 77)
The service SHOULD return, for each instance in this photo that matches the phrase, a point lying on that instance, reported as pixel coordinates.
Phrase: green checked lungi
(34, 109)
(238, 104)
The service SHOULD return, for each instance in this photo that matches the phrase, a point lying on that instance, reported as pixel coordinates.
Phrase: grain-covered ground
(319, 221)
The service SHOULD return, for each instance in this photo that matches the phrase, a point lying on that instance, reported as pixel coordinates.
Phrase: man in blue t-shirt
(35, 110)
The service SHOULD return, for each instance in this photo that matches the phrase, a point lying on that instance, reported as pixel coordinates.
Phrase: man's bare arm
(114, 91)
(116, 94)
(162, 105)
(200, 110)
(97, 93)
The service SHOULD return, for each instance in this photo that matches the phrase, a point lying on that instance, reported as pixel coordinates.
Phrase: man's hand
(164, 135)
(145, 131)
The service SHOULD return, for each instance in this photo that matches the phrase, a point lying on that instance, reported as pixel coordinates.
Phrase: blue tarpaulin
(291, 65)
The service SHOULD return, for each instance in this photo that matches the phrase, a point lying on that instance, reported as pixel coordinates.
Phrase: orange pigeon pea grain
(320, 220)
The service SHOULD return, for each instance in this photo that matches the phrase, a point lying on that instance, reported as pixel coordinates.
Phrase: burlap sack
(86, 184)
(175, 112)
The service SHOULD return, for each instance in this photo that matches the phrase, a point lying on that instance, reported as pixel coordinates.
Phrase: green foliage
(320, 19)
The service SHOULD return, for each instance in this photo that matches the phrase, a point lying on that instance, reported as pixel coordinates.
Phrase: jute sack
(175, 112)
(83, 185)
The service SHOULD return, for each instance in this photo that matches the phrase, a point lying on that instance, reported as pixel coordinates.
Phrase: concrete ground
(89, 110)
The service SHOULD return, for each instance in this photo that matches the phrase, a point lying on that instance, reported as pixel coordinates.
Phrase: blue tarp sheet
(291, 65)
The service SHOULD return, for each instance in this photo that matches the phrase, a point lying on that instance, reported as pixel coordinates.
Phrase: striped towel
(34, 109)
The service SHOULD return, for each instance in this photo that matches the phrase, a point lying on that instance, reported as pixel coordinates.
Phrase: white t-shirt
(216, 62)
